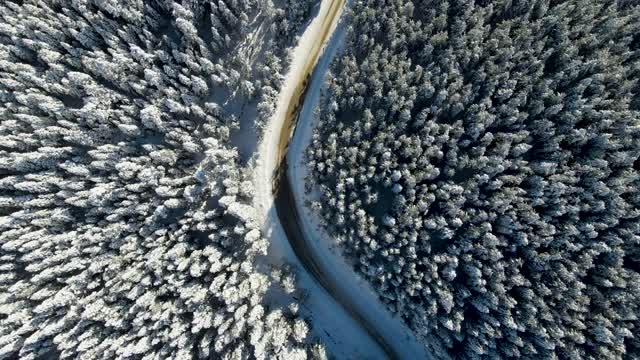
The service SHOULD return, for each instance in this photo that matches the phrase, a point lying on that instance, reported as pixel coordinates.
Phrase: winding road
(340, 303)
(284, 197)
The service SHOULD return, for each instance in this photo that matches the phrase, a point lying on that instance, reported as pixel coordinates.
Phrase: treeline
(479, 163)
(126, 229)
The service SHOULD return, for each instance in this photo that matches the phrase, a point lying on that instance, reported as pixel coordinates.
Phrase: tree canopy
(479, 163)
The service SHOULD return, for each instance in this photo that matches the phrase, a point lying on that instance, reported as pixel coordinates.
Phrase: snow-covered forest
(126, 225)
(478, 161)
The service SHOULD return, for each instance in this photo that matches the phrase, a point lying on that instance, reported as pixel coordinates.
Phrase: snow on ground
(344, 338)
(389, 326)
(245, 138)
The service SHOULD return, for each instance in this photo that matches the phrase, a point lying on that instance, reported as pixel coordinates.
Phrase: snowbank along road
(284, 197)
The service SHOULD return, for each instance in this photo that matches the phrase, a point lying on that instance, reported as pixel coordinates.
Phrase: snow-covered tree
(116, 236)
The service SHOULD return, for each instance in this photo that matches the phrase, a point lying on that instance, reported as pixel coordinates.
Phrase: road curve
(284, 198)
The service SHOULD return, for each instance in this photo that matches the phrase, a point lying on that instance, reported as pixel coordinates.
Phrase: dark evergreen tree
(482, 160)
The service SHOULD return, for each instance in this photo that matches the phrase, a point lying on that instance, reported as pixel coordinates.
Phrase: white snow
(337, 330)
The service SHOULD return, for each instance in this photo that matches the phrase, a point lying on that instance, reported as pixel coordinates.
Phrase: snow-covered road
(343, 336)
(346, 312)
